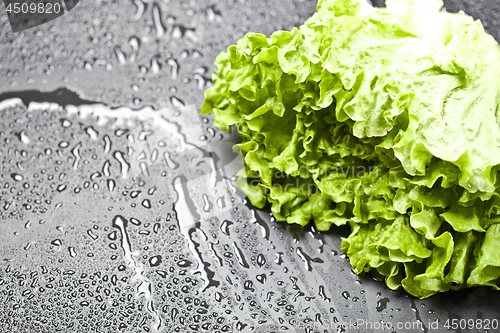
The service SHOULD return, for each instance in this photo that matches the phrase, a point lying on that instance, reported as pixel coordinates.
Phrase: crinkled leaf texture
(385, 119)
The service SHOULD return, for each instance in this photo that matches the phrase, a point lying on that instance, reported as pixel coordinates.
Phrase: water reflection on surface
(118, 210)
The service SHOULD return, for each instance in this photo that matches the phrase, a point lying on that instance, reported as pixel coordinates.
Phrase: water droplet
(174, 71)
(23, 137)
(111, 184)
(200, 80)
(224, 227)
(261, 278)
(65, 123)
(307, 259)
(120, 55)
(107, 144)
(146, 203)
(91, 234)
(177, 103)
(261, 224)
(17, 177)
(184, 263)
(261, 260)
(135, 43)
(124, 165)
(241, 257)
(112, 235)
(72, 251)
(322, 293)
(170, 163)
(135, 221)
(163, 274)
(140, 9)
(155, 261)
(95, 175)
(76, 153)
(92, 133)
(160, 28)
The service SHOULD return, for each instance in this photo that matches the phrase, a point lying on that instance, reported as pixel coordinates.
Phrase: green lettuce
(383, 119)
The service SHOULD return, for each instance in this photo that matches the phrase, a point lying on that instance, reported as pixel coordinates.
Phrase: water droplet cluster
(112, 222)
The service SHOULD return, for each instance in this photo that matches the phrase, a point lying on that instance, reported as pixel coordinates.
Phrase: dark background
(63, 266)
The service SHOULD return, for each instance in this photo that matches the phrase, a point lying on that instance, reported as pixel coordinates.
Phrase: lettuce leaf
(384, 119)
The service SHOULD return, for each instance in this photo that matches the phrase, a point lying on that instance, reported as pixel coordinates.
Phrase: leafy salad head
(385, 119)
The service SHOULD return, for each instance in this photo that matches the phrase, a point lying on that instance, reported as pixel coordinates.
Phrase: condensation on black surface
(98, 234)
(136, 52)
(82, 249)
(103, 249)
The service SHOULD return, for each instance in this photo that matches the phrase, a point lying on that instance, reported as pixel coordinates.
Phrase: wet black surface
(112, 218)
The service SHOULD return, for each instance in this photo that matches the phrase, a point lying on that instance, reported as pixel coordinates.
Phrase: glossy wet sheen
(122, 225)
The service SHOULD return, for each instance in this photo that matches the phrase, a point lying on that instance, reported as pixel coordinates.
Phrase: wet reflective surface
(118, 210)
